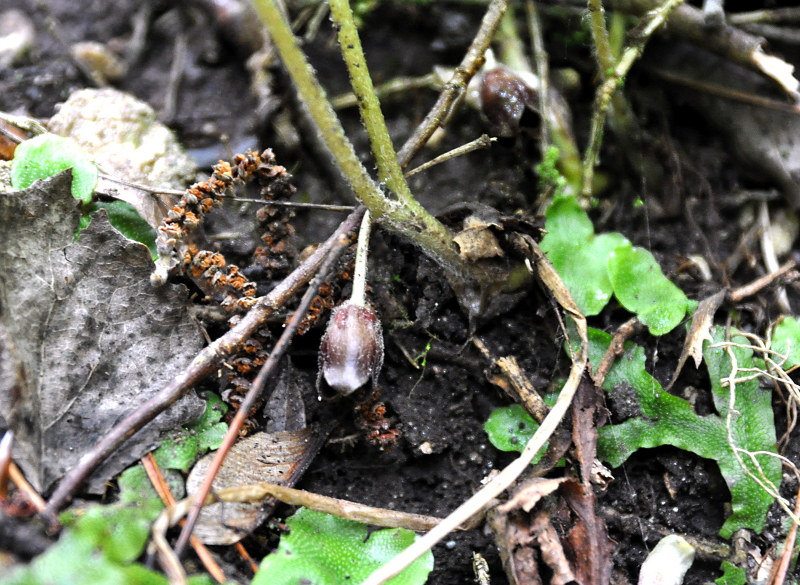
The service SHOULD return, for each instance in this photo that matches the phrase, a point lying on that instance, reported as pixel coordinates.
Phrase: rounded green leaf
(325, 550)
(580, 257)
(509, 428)
(127, 220)
(642, 288)
(786, 341)
(46, 155)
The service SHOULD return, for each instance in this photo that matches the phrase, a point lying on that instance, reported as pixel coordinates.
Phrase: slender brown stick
(203, 364)
(22, 484)
(469, 65)
(759, 283)
(342, 241)
(161, 486)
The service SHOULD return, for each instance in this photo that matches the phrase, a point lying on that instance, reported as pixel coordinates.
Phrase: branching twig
(469, 65)
(606, 91)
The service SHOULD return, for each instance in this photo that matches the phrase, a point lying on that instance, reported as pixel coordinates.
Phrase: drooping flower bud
(504, 97)
(351, 351)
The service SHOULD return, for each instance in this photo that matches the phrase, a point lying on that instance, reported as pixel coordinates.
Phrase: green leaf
(731, 575)
(786, 341)
(509, 428)
(669, 420)
(326, 550)
(642, 288)
(580, 257)
(74, 560)
(46, 155)
(181, 449)
(127, 220)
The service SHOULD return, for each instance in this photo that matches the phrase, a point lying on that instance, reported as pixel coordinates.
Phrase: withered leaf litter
(92, 339)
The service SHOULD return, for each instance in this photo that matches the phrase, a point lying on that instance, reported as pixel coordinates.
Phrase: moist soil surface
(434, 380)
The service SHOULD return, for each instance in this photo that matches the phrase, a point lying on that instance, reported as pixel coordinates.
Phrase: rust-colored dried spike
(209, 269)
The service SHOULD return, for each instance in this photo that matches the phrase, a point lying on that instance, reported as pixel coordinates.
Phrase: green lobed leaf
(642, 288)
(580, 257)
(326, 550)
(74, 560)
(786, 341)
(669, 420)
(47, 155)
(731, 575)
(124, 217)
(509, 428)
(181, 449)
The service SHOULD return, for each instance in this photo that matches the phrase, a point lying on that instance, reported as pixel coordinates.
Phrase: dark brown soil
(445, 403)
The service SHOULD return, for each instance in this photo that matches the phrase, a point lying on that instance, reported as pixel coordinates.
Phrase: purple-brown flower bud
(351, 351)
(504, 97)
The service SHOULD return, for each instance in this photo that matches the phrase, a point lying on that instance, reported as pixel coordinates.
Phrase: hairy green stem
(406, 217)
(607, 90)
(455, 88)
(389, 172)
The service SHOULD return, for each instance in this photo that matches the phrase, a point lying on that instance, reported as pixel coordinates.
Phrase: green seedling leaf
(75, 560)
(326, 550)
(786, 341)
(127, 220)
(669, 420)
(580, 257)
(731, 575)
(509, 428)
(642, 288)
(47, 155)
(181, 449)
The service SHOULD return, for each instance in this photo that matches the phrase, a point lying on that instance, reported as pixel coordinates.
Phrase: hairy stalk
(622, 120)
(359, 294)
(406, 217)
(602, 46)
(389, 171)
(607, 90)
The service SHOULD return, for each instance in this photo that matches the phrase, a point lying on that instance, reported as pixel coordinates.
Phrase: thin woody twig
(483, 141)
(760, 283)
(258, 385)
(255, 493)
(162, 488)
(202, 365)
(469, 65)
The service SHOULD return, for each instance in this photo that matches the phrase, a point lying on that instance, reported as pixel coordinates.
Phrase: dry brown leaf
(552, 551)
(698, 332)
(476, 240)
(533, 490)
(92, 339)
(587, 538)
(280, 458)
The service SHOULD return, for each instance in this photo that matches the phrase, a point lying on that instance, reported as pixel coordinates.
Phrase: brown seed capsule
(351, 351)
(504, 97)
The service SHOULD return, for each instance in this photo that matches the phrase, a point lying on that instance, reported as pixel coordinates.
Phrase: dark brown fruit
(351, 351)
